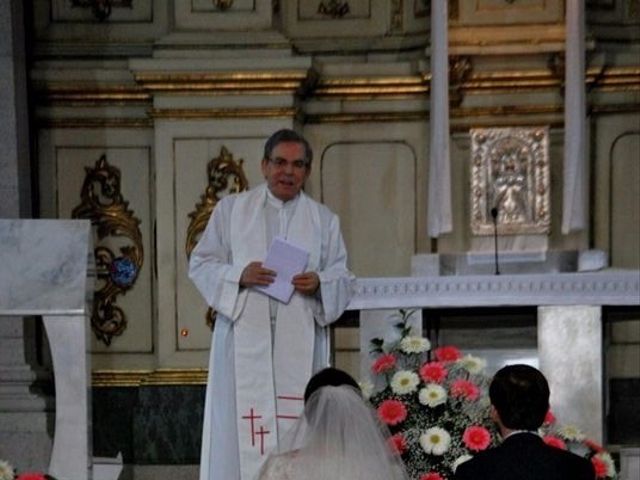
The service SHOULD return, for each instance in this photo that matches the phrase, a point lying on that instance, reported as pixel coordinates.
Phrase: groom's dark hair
(520, 395)
(329, 376)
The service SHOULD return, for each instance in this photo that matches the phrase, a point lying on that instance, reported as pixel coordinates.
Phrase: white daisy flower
(459, 461)
(432, 395)
(571, 433)
(404, 382)
(414, 344)
(367, 389)
(6, 471)
(473, 365)
(435, 441)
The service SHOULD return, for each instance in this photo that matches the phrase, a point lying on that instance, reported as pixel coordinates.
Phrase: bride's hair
(329, 376)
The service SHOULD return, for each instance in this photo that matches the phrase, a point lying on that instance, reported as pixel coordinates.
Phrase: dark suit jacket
(525, 456)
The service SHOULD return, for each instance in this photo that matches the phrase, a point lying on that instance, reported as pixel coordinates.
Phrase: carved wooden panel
(372, 187)
(503, 12)
(223, 15)
(335, 18)
(192, 158)
(112, 11)
(132, 231)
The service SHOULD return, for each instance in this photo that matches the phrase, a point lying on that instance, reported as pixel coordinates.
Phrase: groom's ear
(495, 416)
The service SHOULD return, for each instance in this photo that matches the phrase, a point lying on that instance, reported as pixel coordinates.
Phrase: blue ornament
(123, 272)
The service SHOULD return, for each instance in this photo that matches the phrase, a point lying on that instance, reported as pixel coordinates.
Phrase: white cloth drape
(439, 207)
(575, 158)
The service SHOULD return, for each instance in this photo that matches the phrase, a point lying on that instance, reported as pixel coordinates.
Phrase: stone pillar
(570, 352)
(25, 432)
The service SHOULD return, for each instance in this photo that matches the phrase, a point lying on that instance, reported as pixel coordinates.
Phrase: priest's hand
(254, 274)
(306, 283)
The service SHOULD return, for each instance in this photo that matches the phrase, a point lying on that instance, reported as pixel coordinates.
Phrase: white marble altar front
(47, 269)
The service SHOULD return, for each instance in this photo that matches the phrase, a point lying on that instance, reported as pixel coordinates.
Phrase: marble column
(570, 352)
(25, 427)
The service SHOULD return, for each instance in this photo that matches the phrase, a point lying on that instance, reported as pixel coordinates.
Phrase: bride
(338, 438)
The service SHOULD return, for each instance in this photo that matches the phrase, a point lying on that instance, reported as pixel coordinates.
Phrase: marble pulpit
(48, 270)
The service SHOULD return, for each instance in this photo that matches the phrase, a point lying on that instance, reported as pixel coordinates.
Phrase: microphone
(494, 216)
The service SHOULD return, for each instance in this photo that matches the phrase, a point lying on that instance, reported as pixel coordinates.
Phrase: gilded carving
(224, 176)
(101, 9)
(223, 4)
(510, 173)
(103, 204)
(333, 8)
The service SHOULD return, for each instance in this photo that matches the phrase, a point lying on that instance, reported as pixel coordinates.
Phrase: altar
(569, 329)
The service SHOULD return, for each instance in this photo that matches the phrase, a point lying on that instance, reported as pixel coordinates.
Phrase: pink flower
(465, 389)
(600, 467)
(555, 442)
(447, 354)
(432, 476)
(549, 418)
(392, 412)
(433, 372)
(476, 438)
(397, 443)
(384, 363)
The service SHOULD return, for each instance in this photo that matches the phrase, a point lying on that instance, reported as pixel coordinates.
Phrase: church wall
(160, 88)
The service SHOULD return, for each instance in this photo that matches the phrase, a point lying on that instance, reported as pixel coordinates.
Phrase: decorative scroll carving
(102, 203)
(101, 9)
(510, 172)
(225, 176)
(223, 4)
(460, 68)
(333, 8)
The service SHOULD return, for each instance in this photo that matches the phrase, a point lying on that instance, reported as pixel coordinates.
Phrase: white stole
(270, 384)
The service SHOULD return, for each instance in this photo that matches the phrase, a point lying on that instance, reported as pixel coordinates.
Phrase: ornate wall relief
(103, 204)
(510, 172)
(224, 176)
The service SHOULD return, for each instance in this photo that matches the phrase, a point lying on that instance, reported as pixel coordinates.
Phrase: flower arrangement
(436, 405)
(7, 472)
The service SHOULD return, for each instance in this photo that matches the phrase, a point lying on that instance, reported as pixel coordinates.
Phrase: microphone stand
(494, 216)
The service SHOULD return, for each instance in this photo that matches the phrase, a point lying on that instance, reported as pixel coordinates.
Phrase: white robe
(216, 276)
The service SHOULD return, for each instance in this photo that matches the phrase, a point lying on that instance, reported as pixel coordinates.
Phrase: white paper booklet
(287, 260)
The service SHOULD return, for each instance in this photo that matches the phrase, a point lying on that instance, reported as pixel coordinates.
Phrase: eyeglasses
(281, 163)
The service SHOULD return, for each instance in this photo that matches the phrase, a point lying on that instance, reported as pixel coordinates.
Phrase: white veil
(339, 438)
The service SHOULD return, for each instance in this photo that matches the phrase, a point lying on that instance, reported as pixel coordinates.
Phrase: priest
(264, 350)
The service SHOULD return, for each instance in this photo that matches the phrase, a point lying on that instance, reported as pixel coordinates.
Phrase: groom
(519, 402)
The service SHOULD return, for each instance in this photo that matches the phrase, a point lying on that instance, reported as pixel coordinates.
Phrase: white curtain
(575, 176)
(439, 207)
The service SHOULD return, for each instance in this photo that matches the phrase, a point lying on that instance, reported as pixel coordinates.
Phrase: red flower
(384, 363)
(555, 442)
(465, 389)
(432, 476)
(447, 354)
(397, 443)
(392, 412)
(600, 467)
(549, 418)
(433, 372)
(476, 438)
(593, 446)
(31, 476)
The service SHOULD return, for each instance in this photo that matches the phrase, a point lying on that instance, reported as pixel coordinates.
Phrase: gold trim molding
(137, 378)
(222, 113)
(223, 82)
(97, 123)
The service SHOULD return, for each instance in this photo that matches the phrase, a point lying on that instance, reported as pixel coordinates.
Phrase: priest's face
(286, 170)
